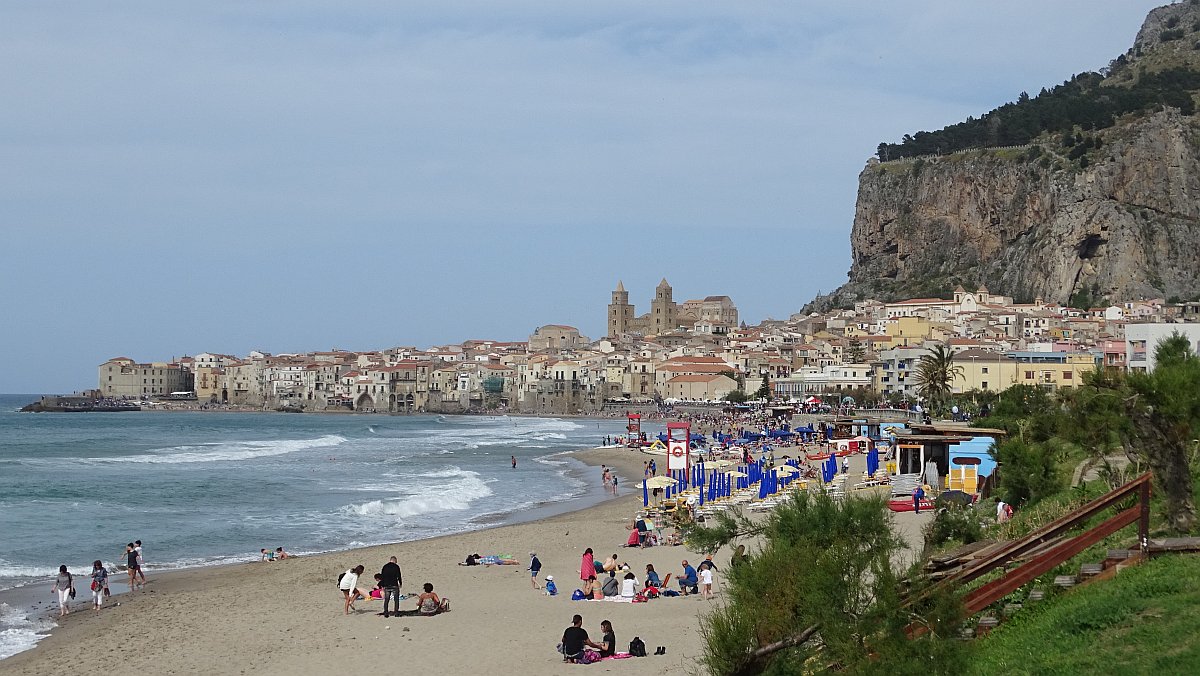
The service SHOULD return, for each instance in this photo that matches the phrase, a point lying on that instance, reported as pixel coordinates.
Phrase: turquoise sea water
(209, 488)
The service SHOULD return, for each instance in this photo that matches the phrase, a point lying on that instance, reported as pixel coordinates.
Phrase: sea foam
(231, 451)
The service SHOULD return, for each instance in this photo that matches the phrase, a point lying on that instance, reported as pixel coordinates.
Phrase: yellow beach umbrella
(735, 473)
(786, 469)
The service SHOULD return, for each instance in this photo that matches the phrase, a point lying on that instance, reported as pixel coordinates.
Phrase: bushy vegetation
(1080, 102)
(821, 591)
(1150, 418)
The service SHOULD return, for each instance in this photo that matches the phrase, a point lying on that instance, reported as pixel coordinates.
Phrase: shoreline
(610, 512)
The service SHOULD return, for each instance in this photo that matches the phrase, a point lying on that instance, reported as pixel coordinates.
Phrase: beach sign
(678, 438)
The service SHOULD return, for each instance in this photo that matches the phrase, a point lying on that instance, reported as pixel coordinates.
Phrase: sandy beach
(286, 616)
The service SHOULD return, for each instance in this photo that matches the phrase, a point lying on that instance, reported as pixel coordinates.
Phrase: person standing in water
(514, 462)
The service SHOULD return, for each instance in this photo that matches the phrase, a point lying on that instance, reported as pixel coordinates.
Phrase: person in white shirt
(706, 578)
(349, 586)
(629, 586)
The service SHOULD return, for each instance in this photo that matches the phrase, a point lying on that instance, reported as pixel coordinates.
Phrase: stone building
(665, 316)
(123, 377)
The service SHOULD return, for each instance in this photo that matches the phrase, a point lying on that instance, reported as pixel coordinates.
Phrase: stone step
(1036, 595)
(1118, 554)
(1090, 569)
(1064, 581)
(986, 624)
(1011, 608)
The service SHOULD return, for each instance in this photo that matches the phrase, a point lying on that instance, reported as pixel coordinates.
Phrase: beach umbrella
(872, 461)
(660, 482)
(720, 464)
(786, 469)
(736, 473)
(645, 494)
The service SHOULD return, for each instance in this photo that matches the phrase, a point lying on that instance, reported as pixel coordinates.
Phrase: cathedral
(665, 316)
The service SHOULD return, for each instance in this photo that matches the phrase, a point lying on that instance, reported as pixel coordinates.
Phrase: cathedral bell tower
(620, 312)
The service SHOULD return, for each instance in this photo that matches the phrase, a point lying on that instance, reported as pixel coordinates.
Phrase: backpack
(577, 595)
(637, 648)
(651, 592)
(339, 582)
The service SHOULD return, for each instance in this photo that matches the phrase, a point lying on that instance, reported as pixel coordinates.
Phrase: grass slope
(1143, 621)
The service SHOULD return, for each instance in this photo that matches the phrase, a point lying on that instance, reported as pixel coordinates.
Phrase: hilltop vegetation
(1162, 69)
(1081, 102)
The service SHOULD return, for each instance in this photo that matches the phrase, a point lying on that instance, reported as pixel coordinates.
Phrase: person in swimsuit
(429, 603)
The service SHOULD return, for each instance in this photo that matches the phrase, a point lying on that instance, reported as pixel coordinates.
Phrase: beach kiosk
(679, 435)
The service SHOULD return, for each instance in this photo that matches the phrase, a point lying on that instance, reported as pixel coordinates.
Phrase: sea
(211, 488)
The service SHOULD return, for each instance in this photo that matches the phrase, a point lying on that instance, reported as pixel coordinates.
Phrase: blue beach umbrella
(645, 494)
(872, 461)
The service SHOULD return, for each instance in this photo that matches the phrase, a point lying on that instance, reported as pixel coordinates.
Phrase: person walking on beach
(389, 582)
(64, 584)
(131, 565)
(514, 462)
(918, 494)
(137, 547)
(99, 584)
(535, 567)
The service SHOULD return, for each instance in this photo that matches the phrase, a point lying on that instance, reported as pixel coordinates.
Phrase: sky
(227, 176)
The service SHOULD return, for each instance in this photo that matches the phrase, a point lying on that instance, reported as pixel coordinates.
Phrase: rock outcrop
(1119, 221)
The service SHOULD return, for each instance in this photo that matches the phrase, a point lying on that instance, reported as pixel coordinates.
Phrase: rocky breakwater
(1119, 220)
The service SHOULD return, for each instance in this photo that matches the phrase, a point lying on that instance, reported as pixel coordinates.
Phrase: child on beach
(551, 588)
(99, 584)
(706, 579)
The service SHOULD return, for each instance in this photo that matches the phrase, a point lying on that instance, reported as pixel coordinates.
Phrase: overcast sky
(287, 176)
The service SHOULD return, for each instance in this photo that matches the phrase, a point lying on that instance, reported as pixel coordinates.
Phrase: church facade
(665, 315)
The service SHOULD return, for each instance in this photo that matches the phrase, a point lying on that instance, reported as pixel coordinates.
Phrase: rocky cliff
(1101, 214)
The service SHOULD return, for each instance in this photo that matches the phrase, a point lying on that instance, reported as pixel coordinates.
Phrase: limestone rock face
(1030, 221)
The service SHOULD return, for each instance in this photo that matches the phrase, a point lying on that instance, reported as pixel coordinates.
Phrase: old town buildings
(696, 350)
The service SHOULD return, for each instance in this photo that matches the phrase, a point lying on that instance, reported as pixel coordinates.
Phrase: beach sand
(286, 616)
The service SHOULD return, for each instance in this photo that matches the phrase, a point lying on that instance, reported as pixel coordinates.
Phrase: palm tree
(936, 373)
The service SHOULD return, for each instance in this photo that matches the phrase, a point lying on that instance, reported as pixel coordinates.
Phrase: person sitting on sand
(428, 604)
(611, 586)
(267, 555)
(377, 592)
(652, 579)
(280, 554)
(573, 640)
(629, 586)
(591, 590)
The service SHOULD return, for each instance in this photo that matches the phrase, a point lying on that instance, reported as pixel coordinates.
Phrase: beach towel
(616, 656)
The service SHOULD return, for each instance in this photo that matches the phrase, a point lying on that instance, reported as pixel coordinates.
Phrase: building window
(985, 370)
(1066, 375)
(1029, 375)
(985, 385)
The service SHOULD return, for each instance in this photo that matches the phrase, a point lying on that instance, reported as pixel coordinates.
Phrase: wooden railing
(1055, 554)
